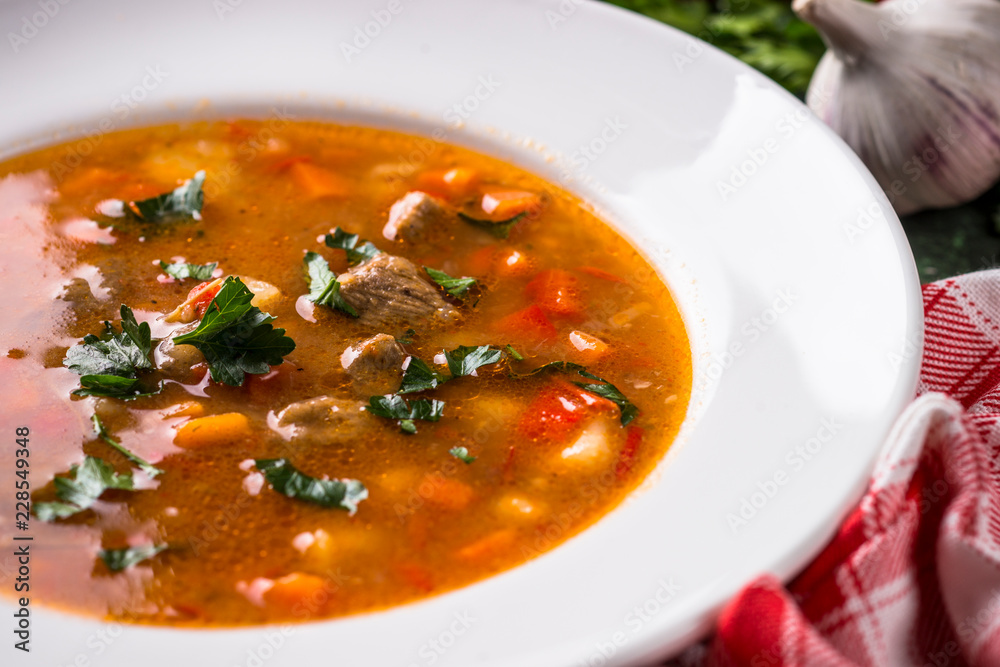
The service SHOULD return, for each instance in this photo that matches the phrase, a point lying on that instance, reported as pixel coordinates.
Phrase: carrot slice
(317, 182)
(503, 204)
(456, 181)
(587, 348)
(301, 594)
(213, 430)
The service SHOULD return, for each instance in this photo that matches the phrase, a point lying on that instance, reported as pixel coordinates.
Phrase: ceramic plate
(794, 276)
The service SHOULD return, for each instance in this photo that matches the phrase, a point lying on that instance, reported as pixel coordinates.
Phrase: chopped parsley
(462, 454)
(513, 353)
(456, 287)
(324, 289)
(394, 406)
(498, 228)
(182, 271)
(82, 489)
(407, 337)
(466, 360)
(180, 204)
(349, 243)
(283, 477)
(143, 464)
(419, 376)
(236, 337)
(119, 559)
(109, 364)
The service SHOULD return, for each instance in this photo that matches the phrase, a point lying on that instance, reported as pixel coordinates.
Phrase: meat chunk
(389, 289)
(375, 365)
(414, 217)
(320, 420)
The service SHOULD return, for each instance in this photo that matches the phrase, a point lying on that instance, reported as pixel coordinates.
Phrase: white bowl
(796, 282)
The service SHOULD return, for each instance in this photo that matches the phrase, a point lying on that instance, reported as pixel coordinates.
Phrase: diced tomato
(417, 576)
(557, 293)
(505, 204)
(601, 273)
(317, 182)
(529, 324)
(201, 295)
(629, 452)
(558, 411)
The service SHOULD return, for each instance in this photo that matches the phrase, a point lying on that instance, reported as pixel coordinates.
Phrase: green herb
(182, 271)
(88, 481)
(514, 353)
(182, 203)
(338, 493)
(143, 464)
(395, 407)
(498, 228)
(465, 360)
(324, 289)
(349, 243)
(456, 287)
(236, 337)
(462, 454)
(407, 337)
(109, 364)
(119, 559)
(605, 389)
(418, 376)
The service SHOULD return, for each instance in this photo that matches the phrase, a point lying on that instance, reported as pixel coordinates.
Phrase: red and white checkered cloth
(912, 577)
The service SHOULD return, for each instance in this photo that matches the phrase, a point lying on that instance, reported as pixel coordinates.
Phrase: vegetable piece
(557, 293)
(588, 347)
(236, 337)
(456, 181)
(349, 243)
(317, 182)
(182, 271)
(324, 290)
(395, 407)
(109, 364)
(212, 430)
(143, 464)
(512, 263)
(462, 454)
(119, 559)
(419, 376)
(514, 353)
(301, 593)
(89, 480)
(507, 203)
(446, 493)
(284, 478)
(194, 306)
(529, 324)
(604, 390)
(488, 546)
(498, 228)
(465, 360)
(557, 412)
(182, 203)
(456, 287)
(629, 452)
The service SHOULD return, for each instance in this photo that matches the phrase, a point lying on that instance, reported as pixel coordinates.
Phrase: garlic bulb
(913, 86)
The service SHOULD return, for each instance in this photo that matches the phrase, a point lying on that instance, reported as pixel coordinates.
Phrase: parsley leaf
(465, 360)
(395, 407)
(498, 228)
(456, 287)
(89, 480)
(324, 290)
(119, 559)
(182, 203)
(349, 243)
(462, 454)
(407, 337)
(236, 337)
(604, 389)
(143, 464)
(419, 376)
(339, 493)
(181, 271)
(108, 365)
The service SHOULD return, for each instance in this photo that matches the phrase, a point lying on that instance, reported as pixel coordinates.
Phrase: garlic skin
(913, 86)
